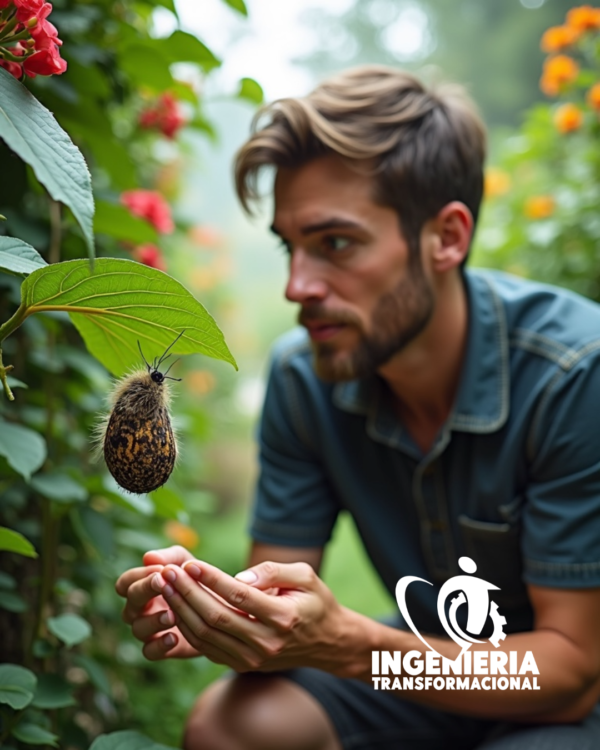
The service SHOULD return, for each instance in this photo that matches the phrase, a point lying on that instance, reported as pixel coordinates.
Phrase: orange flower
(584, 18)
(181, 534)
(558, 37)
(593, 97)
(539, 207)
(568, 118)
(558, 71)
(496, 183)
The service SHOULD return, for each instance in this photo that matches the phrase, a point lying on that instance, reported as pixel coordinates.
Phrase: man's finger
(143, 628)
(161, 647)
(140, 594)
(247, 595)
(132, 575)
(175, 555)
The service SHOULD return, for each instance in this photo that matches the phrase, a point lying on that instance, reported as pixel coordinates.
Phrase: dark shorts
(368, 719)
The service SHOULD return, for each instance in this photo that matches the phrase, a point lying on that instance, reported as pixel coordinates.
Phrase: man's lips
(322, 330)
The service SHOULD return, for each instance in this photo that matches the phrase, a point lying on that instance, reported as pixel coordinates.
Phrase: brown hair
(426, 147)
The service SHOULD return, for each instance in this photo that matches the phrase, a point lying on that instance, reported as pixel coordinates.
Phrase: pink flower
(45, 62)
(150, 255)
(149, 205)
(27, 9)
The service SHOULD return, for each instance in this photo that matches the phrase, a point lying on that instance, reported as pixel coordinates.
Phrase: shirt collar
(482, 402)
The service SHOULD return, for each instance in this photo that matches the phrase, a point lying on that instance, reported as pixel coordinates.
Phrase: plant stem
(48, 553)
(13, 323)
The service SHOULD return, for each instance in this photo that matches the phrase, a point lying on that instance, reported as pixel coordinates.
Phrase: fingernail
(166, 618)
(170, 575)
(168, 590)
(169, 640)
(157, 582)
(247, 576)
(193, 570)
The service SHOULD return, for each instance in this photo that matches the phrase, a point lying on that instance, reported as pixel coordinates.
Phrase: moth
(137, 438)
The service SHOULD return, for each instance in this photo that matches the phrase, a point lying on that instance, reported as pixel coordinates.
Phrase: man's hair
(425, 147)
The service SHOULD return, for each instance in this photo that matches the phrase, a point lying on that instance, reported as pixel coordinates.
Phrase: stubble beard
(398, 318)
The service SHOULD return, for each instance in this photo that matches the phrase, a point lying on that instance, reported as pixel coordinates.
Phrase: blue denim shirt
(512, 479)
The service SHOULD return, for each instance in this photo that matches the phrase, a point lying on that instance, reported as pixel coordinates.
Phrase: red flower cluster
(149, 205)
(165, 116)
(29, 43)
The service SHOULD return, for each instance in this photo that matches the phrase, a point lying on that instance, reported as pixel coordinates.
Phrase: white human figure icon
(475, 592)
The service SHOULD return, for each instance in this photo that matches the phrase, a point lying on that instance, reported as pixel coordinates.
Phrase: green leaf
(17, 685)
(12, 602)
(167, 504)
(146, 65)
(24, 449)
(126, 740)
(52, 692)
(12, 541)
(15, 697)
(31, 131)
(59, 487)
(17, 257)
(184, 47)
(120, 303)
(14, 383)
(69, 628)
(251, 91)
(238, 5)
(95, 528)
(32, 734)
(116, 221)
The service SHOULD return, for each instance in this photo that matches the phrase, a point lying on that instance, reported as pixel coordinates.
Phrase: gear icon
(499, 622)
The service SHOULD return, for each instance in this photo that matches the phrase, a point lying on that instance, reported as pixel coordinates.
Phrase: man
(451, 413)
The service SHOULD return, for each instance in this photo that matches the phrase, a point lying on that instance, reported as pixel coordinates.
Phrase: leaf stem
(13, 323)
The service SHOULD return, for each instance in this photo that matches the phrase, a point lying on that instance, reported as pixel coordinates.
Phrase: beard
(399, 316)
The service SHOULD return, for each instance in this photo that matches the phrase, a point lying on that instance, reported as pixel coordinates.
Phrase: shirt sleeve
(294, 504)
(561, 518)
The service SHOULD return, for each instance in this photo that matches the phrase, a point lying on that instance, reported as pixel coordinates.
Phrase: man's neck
(424, 377)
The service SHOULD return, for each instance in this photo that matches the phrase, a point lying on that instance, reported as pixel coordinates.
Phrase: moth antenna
(144, 358)
(169, 347)
(168, 377)
(171, 365)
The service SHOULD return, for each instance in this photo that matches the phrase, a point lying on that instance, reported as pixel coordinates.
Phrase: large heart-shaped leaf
(121, 302)
(69, 628)
(17, 257)
(17, 685)
(31, 131)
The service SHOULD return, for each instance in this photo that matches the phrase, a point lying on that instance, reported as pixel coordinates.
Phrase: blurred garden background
(158, 95)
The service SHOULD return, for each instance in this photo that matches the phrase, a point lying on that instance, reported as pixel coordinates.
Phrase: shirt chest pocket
(496, 549)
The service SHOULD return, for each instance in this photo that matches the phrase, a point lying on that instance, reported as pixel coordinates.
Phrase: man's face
(361, 298)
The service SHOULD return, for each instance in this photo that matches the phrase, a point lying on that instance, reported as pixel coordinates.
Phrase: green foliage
(541, 216)
(65, 686)
(251, 90)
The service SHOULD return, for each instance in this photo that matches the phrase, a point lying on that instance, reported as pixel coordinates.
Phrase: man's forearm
(568, 688)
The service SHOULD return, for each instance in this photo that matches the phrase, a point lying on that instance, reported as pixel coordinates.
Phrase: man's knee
(258, 712)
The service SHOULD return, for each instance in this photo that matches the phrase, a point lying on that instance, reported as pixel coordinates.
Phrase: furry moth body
(139, 445)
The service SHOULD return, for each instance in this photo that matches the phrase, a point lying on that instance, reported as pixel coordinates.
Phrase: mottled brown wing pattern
(140, 452)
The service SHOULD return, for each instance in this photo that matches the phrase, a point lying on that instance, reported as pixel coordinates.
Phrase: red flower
(150, 255)
(165, 115)
(149, 205)
(27, 9)
(46, 62)
(13, 68)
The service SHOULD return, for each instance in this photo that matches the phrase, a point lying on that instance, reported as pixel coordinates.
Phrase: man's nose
(305, 281)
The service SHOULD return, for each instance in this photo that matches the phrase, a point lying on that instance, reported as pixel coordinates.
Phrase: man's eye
(285, 247)
(337, 243)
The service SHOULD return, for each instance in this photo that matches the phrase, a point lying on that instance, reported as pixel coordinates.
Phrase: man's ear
(454, 227)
